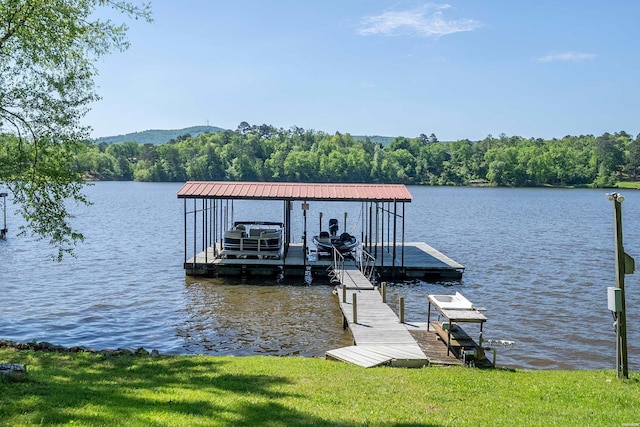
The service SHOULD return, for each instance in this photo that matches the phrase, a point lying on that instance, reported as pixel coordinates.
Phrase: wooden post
(344, 294)
(355, 308)
(383, 291)
(401, 310)
(449, 338)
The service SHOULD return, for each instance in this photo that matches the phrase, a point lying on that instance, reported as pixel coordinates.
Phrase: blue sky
(461, 69)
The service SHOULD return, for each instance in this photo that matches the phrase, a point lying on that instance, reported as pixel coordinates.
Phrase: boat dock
(209, 230)
(381, 339)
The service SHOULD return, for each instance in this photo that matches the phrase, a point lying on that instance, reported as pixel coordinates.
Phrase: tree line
(264, 153)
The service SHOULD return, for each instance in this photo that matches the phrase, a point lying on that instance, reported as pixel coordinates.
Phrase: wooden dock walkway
(380, 338)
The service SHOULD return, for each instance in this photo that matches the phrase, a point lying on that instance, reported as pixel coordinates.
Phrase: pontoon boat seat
(270, 234)
(234, 234)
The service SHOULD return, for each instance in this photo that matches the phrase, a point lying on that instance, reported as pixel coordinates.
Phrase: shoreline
(53, 348)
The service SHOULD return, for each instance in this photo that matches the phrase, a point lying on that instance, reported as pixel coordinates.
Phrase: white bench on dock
(380, 338)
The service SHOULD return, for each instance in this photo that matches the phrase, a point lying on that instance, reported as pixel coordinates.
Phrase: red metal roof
(294, 191)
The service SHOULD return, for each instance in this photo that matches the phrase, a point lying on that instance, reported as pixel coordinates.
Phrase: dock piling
(355, 308)
(401, 310)
(383, 291)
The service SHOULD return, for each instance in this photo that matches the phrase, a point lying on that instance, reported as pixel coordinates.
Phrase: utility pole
(624, 265)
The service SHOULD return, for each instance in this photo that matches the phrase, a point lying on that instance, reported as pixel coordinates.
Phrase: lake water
(539, 261)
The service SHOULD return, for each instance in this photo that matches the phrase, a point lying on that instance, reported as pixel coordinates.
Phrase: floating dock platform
(417, 261)
(421, 261)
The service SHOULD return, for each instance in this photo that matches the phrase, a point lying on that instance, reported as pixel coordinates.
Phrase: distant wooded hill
(159, 136)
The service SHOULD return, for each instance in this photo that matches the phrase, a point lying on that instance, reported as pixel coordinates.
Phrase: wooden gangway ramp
(379, 337)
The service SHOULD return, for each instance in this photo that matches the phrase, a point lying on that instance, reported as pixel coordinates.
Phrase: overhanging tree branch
(47, 54)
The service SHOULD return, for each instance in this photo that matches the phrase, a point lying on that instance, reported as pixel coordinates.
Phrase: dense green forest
(264, 153)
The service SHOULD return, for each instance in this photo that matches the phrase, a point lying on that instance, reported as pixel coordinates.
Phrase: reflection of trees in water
(233, 316)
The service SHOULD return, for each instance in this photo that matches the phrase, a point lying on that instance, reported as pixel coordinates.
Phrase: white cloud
(566, 57)
(426, 21)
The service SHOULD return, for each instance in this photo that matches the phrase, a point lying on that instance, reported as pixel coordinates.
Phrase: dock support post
(355, 308)
(401, 310)
(383, 291)
(344, 293)
(185, 234)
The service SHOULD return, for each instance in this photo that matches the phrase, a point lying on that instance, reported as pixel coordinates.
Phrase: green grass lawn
(630, 185)
(91, 389)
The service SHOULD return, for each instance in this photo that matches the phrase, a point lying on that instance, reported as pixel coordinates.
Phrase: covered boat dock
(209, 211)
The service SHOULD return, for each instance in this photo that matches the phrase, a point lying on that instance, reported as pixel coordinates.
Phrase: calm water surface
(539, 260)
